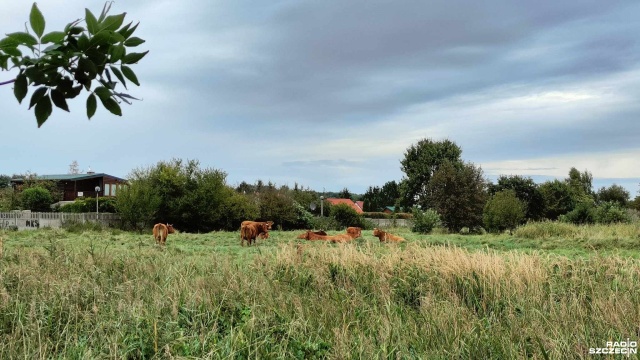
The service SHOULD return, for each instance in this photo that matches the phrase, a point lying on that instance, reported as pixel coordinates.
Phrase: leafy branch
(72, 60)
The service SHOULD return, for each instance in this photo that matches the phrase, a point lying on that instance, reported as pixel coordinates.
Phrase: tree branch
(7, 82)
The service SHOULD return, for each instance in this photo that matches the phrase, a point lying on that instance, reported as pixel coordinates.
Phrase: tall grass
(116, 295)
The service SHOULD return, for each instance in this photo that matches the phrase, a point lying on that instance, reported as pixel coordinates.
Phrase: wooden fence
(25, 220)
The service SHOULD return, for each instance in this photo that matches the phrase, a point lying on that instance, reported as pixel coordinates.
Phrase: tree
(5, 181)
(36, 199)
(557, 198)
(614, 193)
(71, 60)
(74, 168)
(580, 185)
(420, 163)
(458, 192)
(526, 190)
(503, 211)
(346, 216)
(345, 194)
(180, 193)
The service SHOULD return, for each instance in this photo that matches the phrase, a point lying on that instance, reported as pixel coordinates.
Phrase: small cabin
(74, 186)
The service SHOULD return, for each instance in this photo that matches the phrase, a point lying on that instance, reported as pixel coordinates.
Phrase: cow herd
(251, 230)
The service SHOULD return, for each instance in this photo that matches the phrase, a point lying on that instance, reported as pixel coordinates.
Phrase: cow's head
(376, 232)
(269, 224)
(170, 229)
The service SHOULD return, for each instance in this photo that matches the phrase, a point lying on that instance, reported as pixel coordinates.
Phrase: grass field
(548, 291)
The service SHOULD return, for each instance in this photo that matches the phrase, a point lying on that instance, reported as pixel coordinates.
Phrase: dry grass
(116, 295)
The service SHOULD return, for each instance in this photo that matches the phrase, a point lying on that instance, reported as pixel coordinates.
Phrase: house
(355, 205)
(389, 209)
(74, 186)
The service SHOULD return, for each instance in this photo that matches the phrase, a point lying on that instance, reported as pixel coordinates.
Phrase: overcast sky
(329, 94)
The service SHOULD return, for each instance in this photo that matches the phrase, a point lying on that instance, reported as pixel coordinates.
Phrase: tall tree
(557, 197)
(580, 185)
(420, 162)
(62, 63)
(458, 192)
(614, 193)
(345, 194)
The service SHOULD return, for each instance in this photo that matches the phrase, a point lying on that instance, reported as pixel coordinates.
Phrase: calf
(161, 231)
(385, 236)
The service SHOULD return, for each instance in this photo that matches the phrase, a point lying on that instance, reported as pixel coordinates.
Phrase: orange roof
(354, 205)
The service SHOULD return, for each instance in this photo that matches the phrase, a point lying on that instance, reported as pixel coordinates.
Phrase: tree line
(439, 189)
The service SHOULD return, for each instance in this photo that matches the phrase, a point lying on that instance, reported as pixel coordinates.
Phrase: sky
(330, 94)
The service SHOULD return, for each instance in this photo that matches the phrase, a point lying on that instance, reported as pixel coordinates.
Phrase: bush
(611, 212)
(36, 199)
(324, 223)
(346, 216)
(583, 213)
(88, 205)
(376, 215)
(503, 211)
(425, 221)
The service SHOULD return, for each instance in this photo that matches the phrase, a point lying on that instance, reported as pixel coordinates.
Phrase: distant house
(355, 205)
(79, 185)
(389, 209)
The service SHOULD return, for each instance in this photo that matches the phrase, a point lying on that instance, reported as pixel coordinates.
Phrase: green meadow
(547, 291)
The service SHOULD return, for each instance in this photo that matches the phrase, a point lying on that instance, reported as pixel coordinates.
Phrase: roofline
(80, 177)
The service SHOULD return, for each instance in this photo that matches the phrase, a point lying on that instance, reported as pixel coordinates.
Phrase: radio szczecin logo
(616, 347)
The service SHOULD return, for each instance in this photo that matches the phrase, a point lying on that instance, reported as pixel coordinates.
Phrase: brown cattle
(161, 231)
(310, 235)
(250, 230)
(354, 232)
(304, 235)
(265, 226)
(385, 236)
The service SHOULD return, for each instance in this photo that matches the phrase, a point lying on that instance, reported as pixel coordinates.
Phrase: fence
(24, 220)
(386, 223)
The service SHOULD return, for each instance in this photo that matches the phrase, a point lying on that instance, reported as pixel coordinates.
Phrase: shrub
(36, 199)
(583, 213)
(325, 223)
(503, 211)
(376, 215)
(546, 229)
(611, 212)
(425, 221)
(346, 216)
(85, 205)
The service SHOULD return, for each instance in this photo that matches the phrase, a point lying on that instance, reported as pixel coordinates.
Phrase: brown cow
(385, 236)
(266, 225)
(310, 235)
(161, 231)
(304, 235)
(354, 232)
(250, 230)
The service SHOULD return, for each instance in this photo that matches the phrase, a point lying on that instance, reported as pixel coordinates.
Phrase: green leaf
(127, 33)
(116, 52)
(8, 43)
(36, 20)
(23, 38)
(103, 93)
(59, 100)
(83, 42)
(91, 106)
(4, 61)
(43, 110)
(20, 87)
(112, 106)
(13, 52)
(112, 22)
(87, 66)
(133, 58)
(37, 95)
(92, 23)
(53, 37)
(130, 74)
(118, 74)
(134, 41)
(101, 38)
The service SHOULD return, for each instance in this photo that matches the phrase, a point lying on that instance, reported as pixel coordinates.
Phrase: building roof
(70, 177)
(391, 208)
(354, 205)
